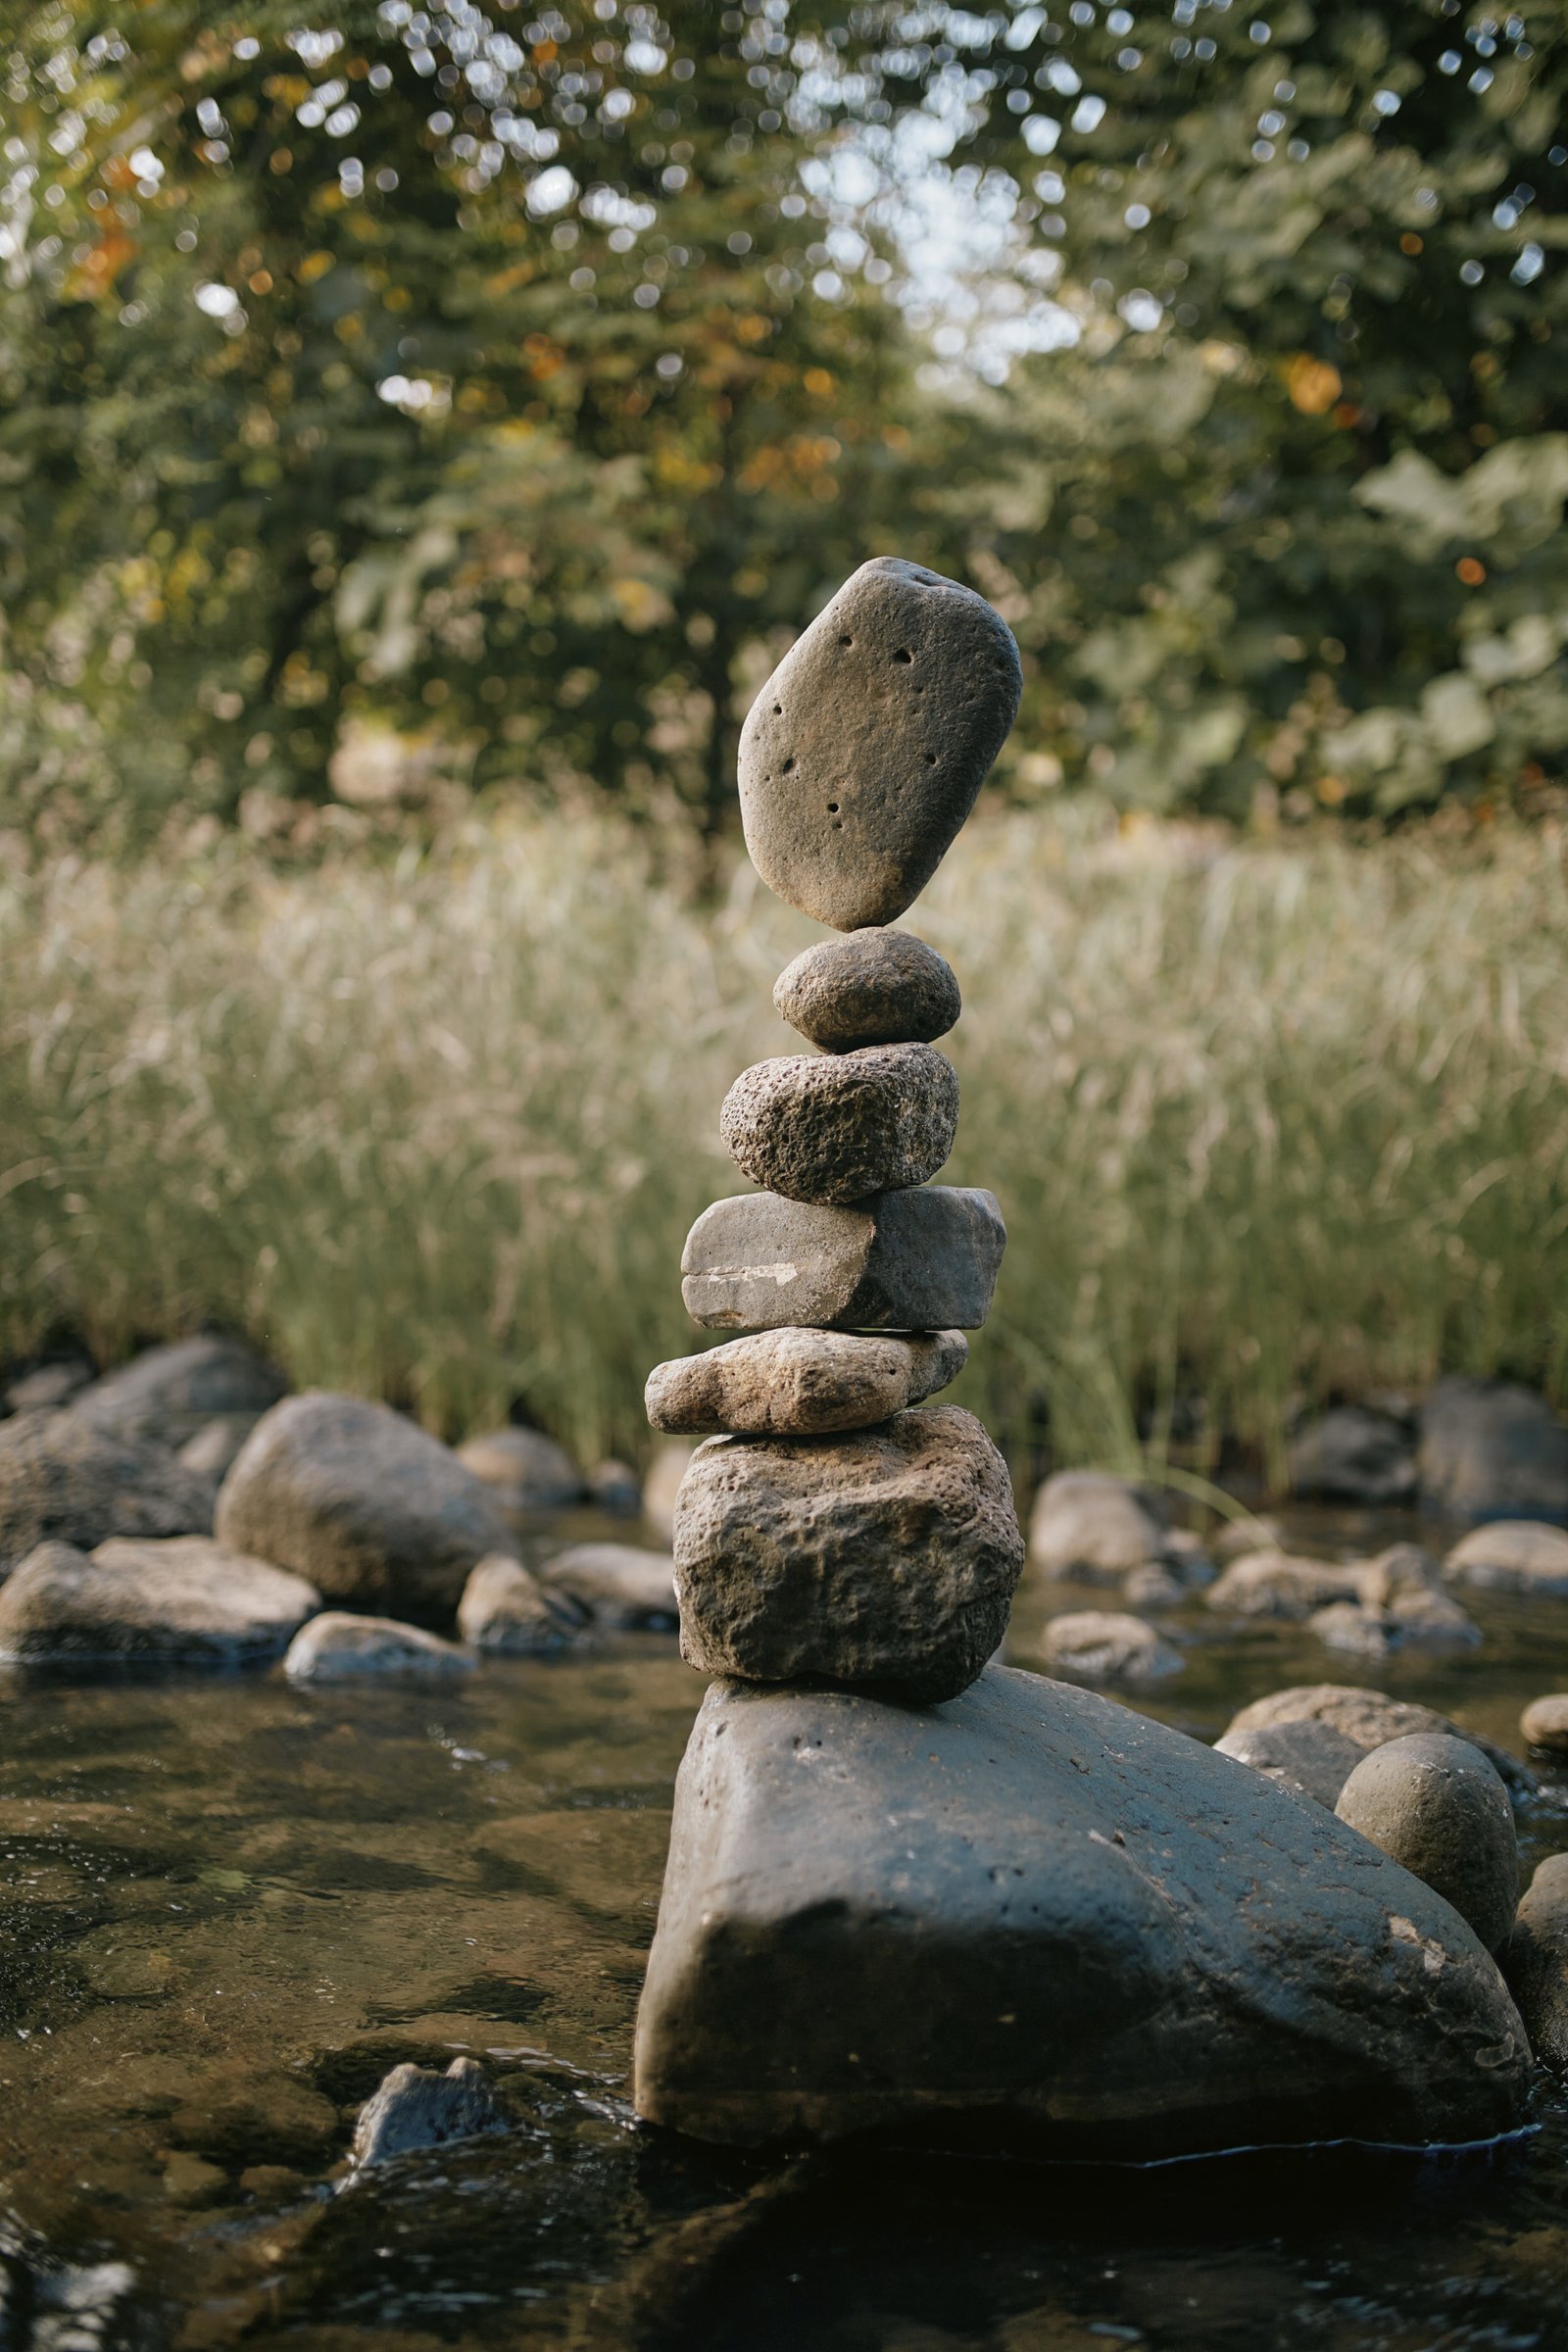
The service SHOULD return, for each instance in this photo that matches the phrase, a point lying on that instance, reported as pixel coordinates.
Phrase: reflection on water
(226, 1907)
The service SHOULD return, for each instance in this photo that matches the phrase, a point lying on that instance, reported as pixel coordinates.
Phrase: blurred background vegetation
(399, 402)
(421, 428)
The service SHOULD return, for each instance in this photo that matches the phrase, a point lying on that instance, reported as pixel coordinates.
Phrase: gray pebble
(875, 988)
(1435, 1806)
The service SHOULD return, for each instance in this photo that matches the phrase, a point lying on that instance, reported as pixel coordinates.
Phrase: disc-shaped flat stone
(836, 1127)
(800, 1383)
(875, 988)
(862, 754)
(918, 1261)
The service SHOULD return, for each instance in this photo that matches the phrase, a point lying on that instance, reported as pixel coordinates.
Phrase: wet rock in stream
(415, 2107)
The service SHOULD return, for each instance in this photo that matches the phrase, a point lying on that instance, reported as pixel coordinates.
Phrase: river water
(226, 1907)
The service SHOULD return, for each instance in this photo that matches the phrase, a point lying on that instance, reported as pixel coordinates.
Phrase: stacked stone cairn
(833, 1524)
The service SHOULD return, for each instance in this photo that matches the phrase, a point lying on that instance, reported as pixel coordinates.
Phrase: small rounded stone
(801, 1384)
(1107, 1645)
(874, 987)
(1435, 1806)
(835, 1128)
(1544, 1723)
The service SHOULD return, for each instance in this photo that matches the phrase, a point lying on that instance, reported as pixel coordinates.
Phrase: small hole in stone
(837, 824)
(787, 764)
(903, 654)
(930, 759)
(832, 808)
(846, 640)
(778, 709)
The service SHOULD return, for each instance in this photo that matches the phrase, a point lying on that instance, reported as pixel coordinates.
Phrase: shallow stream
(227, 1907)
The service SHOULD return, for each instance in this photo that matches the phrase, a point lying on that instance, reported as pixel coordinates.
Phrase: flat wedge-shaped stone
(890, 1556)
(875, 988)
(800, 1383)
(1036, 1902)
(838, 1127)
(863, 753)
(918, 1261)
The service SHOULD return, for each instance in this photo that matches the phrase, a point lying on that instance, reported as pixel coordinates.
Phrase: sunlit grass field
(1268, 1123)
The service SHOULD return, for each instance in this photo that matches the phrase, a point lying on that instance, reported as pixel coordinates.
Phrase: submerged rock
(863, 753)
(1104, 1646)
(183, 1599)
(508, 1613)
(1544, 1723)
(1534, 1960)
(356, 1498)
(525, 1470)
(169, 1394)
(62, 1481)
(839, 1127)
(1512, 1555)
(1355, 1453)
(1435, 1805)
(47, 2305)
(1035, 1902)
(414, 2107)
(924, 1259)
(1312, 1758)
(801, 1384)
(336, 1647)
(890, 1555)
(1493, 1449)
(622, 1586)
(1371, 1718)
(875, 988)
(1400, 1607)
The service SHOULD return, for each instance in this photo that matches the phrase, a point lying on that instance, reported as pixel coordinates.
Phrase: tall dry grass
(1267, 1123)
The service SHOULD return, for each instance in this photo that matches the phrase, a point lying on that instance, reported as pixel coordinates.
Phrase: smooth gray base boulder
(1434, 1803)
(1493, 1449)
(1034, 1903)
(863, 753)
(839, 1127)
(875, 988)
(1312, 1759)
(362, 1501)
(924, 1259)
(62, 1481)
(340, 1648)
(414, 2107)
(1371, 1718)
(169, 1394)
(181, 1599)
(1534, 1960)
(1512, 1555)
(890, 1556)
(801, 1384)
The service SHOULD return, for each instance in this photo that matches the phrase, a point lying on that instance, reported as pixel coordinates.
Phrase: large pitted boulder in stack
(890, 1556)
(863, 753)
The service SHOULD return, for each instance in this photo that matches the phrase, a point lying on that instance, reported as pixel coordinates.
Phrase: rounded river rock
(875, 988)
(887, 1557)
(800, 1383)
(834, 1128)
(924, 1259)
(1434, 1803)
(862, 754)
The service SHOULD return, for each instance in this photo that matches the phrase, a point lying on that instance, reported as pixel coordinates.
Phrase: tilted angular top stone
(875, 988)
(863, 753)
(887, 1557)
(838, 1127)
(800, 1383)
(1037, 1902)
(918, 1261)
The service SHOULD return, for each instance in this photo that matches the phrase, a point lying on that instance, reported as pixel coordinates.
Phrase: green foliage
(483, 397)
(1265, 1123)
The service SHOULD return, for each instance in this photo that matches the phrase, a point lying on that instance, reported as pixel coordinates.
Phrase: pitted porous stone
(924, 1259)
(875, 988)
(800, 1383)
(862, 754)
(887, 1557)
(836, 1128)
